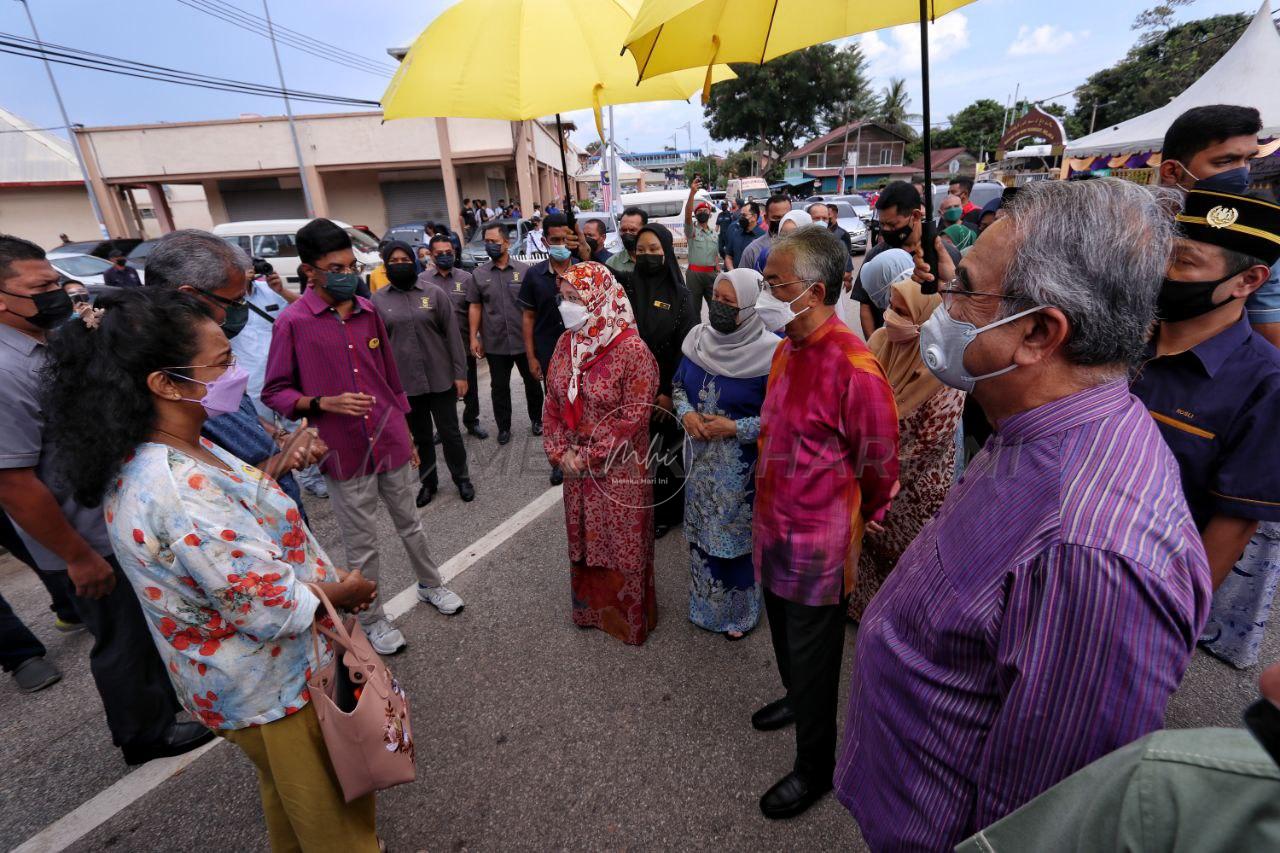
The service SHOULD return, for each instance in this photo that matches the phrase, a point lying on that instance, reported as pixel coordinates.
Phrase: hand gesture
(477, 348)
(716, 426)
(352, 403)
(695, 184)
(535, 368)
(694, 426)
(460, 385)
(356, 591)
(91, 575)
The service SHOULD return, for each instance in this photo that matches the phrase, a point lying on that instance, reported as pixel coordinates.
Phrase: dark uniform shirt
(1218, 408)
(125, 276)
(455, 283)
(538, 294)
(734, 240)
(497, 290)
(423, 330)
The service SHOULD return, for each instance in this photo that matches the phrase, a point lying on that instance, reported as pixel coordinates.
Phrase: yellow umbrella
(522, 59)
(668, 35)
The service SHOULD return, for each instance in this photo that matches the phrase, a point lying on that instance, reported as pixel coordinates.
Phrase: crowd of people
(1035, 487)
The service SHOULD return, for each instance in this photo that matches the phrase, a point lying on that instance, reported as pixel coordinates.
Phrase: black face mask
(444, 261)
(723, 318)
(702, 217)
(744, 223)
(774, 225)
(650, 264)
(593, 244)
(119, 262)
(1183, 300)
(494, 250)
(401, 275)
(629, 241)
(52, 307)
(896, 238)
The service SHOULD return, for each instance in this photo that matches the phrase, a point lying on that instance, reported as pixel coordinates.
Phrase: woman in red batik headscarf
(601, 386)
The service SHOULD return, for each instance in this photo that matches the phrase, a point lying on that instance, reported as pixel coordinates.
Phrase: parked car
(612, 240)
(87, 269)
(666, 207)
(138, 257)
(415, 234)
(98, 248)
(273, 240)
(847, 218)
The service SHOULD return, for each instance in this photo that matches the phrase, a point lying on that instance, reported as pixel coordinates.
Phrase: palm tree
(894, 102)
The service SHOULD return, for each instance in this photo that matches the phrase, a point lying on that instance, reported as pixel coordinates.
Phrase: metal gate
(261, 199)
(414, 201)
(497, 190)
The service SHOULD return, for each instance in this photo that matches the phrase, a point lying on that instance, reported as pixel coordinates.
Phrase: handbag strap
(339, 634)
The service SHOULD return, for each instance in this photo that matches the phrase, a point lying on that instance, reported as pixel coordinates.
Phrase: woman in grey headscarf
(883, 271)
(718, 390)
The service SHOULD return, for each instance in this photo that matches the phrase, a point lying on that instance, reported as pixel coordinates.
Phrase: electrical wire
(28, 48)
(258, 26)
(279, 28)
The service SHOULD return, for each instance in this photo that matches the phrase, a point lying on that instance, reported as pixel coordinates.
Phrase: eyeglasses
(358, 268)
(229, 363)
(785, 283)
(951, 293)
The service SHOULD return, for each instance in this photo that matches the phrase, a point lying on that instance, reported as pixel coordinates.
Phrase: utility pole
(66, 122)
(288, 109)
(1093, 117)
(614, 204)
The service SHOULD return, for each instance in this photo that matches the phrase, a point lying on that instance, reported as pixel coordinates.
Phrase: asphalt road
(531, 734)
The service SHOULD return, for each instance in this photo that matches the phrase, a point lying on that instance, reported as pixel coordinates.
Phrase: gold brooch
(426, 302)
(1222, 217)
(374, 343)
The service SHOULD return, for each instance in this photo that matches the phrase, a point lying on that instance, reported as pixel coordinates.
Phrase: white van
(273, 241)
(665, 207)
(748, 189)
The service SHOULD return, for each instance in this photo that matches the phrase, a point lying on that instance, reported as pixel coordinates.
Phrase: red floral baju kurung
(608, 511)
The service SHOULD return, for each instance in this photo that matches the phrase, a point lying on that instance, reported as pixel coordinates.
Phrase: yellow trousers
(301, 797)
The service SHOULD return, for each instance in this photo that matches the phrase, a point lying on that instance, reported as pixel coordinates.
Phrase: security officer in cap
(1212, 383)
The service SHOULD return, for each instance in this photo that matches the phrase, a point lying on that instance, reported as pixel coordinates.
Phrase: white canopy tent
(591, 172)
(1244, 75)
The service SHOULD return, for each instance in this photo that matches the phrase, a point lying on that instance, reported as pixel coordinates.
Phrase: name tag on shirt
(663, 305)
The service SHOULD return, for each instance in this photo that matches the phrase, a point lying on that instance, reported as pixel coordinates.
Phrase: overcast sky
(983, 50)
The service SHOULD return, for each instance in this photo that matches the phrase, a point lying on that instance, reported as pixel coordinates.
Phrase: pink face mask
(222, 396)
(898, 328)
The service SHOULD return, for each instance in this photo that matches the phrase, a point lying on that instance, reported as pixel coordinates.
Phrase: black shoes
(557, 476)
(773, 716)
(177, 739)
(504, 436)
(426, 493)
(466, 491)
(537, 429)
(478, 431)
(792, 795)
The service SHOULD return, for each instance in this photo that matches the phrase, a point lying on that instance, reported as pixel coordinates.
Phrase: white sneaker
(441, 598)
(385, 639)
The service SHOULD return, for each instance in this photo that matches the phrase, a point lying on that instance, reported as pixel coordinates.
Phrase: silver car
(848, 219)
(87, 269)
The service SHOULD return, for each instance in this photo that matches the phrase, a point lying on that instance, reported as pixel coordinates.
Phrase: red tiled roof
(941, 156)
(830, 136)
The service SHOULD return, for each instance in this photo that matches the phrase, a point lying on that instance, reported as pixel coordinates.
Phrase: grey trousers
(355, 506)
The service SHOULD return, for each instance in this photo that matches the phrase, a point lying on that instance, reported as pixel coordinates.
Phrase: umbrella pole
(564, 169)
(924, 84)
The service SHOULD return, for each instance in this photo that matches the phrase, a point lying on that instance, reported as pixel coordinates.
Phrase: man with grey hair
(1045, 615)
(827, 468)
(216, 272)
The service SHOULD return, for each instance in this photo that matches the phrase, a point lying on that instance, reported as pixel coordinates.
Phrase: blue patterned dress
(719, 492)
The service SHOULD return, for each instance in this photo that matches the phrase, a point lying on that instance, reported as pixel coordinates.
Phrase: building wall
(356, 198)
(40, 214)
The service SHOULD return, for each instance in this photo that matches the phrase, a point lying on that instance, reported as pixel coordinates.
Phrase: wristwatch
(313, 408)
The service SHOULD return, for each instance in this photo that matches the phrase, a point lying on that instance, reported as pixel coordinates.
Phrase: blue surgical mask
(559, 253)
(341, 285)
(1232, 181)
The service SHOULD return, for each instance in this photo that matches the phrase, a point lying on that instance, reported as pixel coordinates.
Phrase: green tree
(1156, 69)
(853, 97)
(709, 169)
(593, 147)
(785, 100)
(976, 127)
(1158, 18)
(893, 108)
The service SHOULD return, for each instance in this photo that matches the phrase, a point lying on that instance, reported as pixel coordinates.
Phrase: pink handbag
(363, 712)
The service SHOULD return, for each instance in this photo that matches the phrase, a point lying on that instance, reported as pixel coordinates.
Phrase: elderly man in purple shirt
(1045, 615)
(330, 362)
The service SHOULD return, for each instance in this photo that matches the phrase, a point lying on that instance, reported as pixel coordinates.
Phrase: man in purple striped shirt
(1045, 615)
(330, 362)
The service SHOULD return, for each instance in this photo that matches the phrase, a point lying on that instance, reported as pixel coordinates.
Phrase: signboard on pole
(1038, 124)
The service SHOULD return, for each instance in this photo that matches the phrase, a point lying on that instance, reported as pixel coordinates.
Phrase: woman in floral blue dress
(718, 391)
(216, 552)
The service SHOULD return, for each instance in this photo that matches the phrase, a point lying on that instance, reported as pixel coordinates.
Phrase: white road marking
(91, 814)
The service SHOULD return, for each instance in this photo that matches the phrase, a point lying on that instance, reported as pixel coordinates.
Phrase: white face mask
(943, 340)
(573, 315)
(774, 313)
